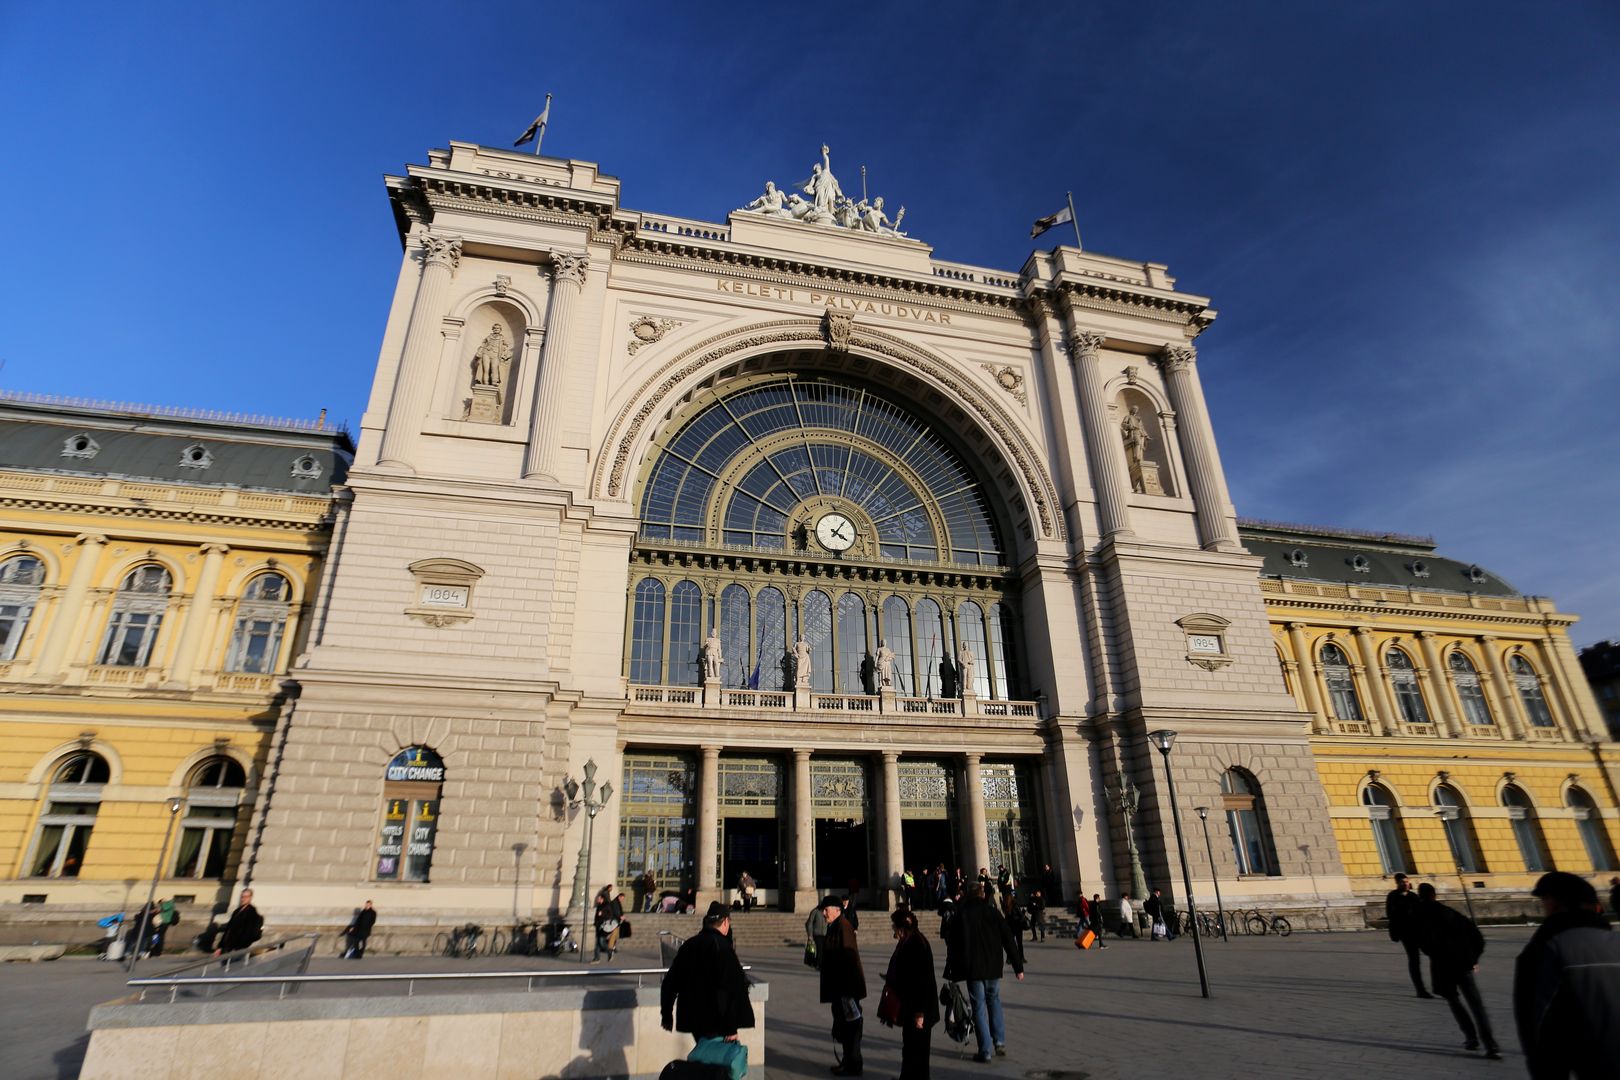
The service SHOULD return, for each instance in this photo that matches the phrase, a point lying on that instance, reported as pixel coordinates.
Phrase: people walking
(1401, 909)
(1097, 926)
(1454, 945)
(909, 985)
(1037, 915)
(815, 928)
(843, 985)
(745, 889)
(243, 928)
(649, 890)
(978, 941)
(609, 914)
(705, 992)
(1566, 985)
(1127, 917)
(359, 930)
(1153, 908)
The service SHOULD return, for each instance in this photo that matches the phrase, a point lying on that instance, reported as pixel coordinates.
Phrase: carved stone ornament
(839, 329)
(570, 266)
(440, 250)
(646, 330)
(1133, 374)
(826, 205)
(1178, 358)
(503, 284)
(1009, 379)
(1206, 640)
(1087, 342)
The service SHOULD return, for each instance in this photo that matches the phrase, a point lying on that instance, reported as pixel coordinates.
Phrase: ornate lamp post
(163, 855)
(580, 797)
(1164, 740)
(1203, 816)
(1124, 800)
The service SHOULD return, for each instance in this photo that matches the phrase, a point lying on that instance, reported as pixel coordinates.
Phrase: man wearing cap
(1566, 985)
(1454, 945)
(1401, 907)
(705, 992)
(843, 985)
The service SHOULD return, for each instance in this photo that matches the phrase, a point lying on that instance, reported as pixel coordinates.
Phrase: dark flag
(536, 130)
(1062, 217)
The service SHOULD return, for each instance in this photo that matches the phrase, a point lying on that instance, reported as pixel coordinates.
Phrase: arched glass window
(971, 617)
(20, 579)
(1529, 684)
(854, 658)
(1459, 829)
(897, 636)
(137, 615)
(1408, 695)
(647, 633)
(1590, 825)
(1526, 829)
(736, 629)
(1247, 821)
(1387, 836)
(1340, 684)
(213, 799)
(773, 663)
(261, 620)
(412, 784)
(1466, 679)
(1003, 676)
(816, 626)
(71, 803)
(936, 665)
(685, 634)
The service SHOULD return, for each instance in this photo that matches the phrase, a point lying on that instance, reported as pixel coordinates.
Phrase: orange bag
(1086, 940)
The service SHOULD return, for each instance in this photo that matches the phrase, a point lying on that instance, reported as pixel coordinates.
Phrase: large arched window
(1003, 674)
(1408, 695)
(71, 803)
(137, 615)
(971, 617)
(1590, 825)
(685, 634)
(261, 620)
(1529, 684)
(1246, 819)
(647, 633)
(854, 655)
(1465, 677)
(897, 636)
(936, 664)
(213, 800)
(773, 663)
(412, 784)
(20, 579)
(736, 630)
(816, 627)
(1459, 829)
(1526, 829)
(1387, 834)
(1340, 684)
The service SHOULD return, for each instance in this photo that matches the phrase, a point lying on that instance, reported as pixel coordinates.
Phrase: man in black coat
(243, 929)
(705, 991)
(1454, 946)
(843, 985)
(1401, 908)
(1566, 985)
(359, 930)
(979, 938)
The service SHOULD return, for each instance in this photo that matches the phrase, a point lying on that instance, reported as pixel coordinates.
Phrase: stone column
(1564, 713)
(53, 653)
(1587, 718)
(1308, 679)
(979, 834)
(893, 838)
(1440, 698)
(413, 383)
(804, 835)
(1107, 456)
(1204, 473)
(568, 271)
(1506, 705)
(708, 841)
(198, 616)
(1378, 703)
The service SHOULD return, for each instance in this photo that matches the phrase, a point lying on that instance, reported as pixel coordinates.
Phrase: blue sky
(1408, 214)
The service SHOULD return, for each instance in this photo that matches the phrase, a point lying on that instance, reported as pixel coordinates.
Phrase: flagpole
(1074, 219)
(540, 136)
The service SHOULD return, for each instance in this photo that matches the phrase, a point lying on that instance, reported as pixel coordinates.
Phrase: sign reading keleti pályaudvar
(853, 304)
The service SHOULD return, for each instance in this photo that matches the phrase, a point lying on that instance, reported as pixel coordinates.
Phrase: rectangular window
(13, 620)
(129, 638)
(255, 646)
(63, 836)
(1410, 700)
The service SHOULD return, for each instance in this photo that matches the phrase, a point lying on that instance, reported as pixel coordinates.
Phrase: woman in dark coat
(911, 977)
(609, 913)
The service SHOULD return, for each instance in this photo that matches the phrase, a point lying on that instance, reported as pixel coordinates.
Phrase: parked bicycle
(1208, 923)
(1260, 922)
(525, 939)
(466, 942)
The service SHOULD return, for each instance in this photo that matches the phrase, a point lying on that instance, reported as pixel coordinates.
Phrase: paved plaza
(1312, 1005)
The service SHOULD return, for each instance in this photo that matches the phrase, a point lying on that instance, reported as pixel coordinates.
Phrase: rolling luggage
(680, 1069)
(1086, 940)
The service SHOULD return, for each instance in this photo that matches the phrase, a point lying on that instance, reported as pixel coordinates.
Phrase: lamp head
(1163, 739)
(607, 792)
(1203, 813)
(571, 789)
(590, 770)
(175, 804)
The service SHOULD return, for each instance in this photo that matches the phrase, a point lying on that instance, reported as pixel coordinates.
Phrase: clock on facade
(835, 532)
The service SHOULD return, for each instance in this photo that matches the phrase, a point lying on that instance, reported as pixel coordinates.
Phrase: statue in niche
(801, 663)
(492, 359)
(964, 667)
(1144, 473)
(712, 658)
(885, 666)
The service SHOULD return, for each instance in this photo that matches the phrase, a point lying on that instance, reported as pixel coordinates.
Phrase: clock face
(835, 532)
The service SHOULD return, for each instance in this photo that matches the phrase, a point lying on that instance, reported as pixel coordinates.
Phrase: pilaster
(1216, 527)
(568, 270)
(65, 619)
(197, 618)
(413, 388)
(1106, 457)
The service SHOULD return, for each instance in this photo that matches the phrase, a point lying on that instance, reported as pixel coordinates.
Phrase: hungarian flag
(1062, 217)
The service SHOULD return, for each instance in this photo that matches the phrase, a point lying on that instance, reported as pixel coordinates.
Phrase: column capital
(711, 751)
(87, 539)
(570, 266)
(1178, 358)
(890, 756)
(1298, 626)
(215, 549)
(1486, 638)
(973, 758)
(801, 755)
(441, 250)
(1361, 631)
(1086, 342)
(1423, 635)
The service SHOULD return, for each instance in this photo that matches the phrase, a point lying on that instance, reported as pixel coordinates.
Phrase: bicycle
(466, 942)
(525, 940)
(1260, 923)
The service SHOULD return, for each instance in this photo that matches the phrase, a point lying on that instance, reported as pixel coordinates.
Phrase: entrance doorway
(927, 843)
(842, 857)
(750, 844)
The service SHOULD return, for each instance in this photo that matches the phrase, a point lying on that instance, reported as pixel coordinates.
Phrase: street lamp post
(146, 912)
(580, 797)
(1125, 800)
(1215, 879)
(1164, 740)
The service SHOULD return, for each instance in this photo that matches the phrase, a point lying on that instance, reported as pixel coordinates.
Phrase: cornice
(1095, 296)
(157, 513)
(1458, 615)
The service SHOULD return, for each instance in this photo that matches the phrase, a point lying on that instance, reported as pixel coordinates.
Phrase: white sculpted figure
(771, 204)
(801, 663)
(1135, 435)
(964, 666)
(491, 358)
(873, 219)
(885, 665)
(712, 659)
(823, 189)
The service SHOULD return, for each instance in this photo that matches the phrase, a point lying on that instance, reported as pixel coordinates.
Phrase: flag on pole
(538, 128)
(1062, 217)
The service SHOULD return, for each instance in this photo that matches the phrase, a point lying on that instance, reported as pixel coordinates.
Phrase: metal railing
(275, 956)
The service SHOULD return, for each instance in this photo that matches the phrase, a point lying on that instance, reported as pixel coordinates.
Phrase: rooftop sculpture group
(827, 204)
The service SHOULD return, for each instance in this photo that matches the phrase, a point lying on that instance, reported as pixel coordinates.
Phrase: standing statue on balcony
(964, 667)
(712, 659)
(885, 666)
(801, 663)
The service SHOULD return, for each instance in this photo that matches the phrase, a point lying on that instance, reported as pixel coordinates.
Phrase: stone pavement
(1312, 1005)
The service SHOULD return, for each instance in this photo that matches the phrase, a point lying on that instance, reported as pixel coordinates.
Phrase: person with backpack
(1454, 945)
(979, 939)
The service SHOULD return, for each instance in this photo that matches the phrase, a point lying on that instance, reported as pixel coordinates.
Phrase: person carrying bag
(909, 999)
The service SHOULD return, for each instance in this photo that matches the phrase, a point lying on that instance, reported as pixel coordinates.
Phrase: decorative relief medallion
(839, 329)
(646, 330)
(1009, 379)
(503, 284)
